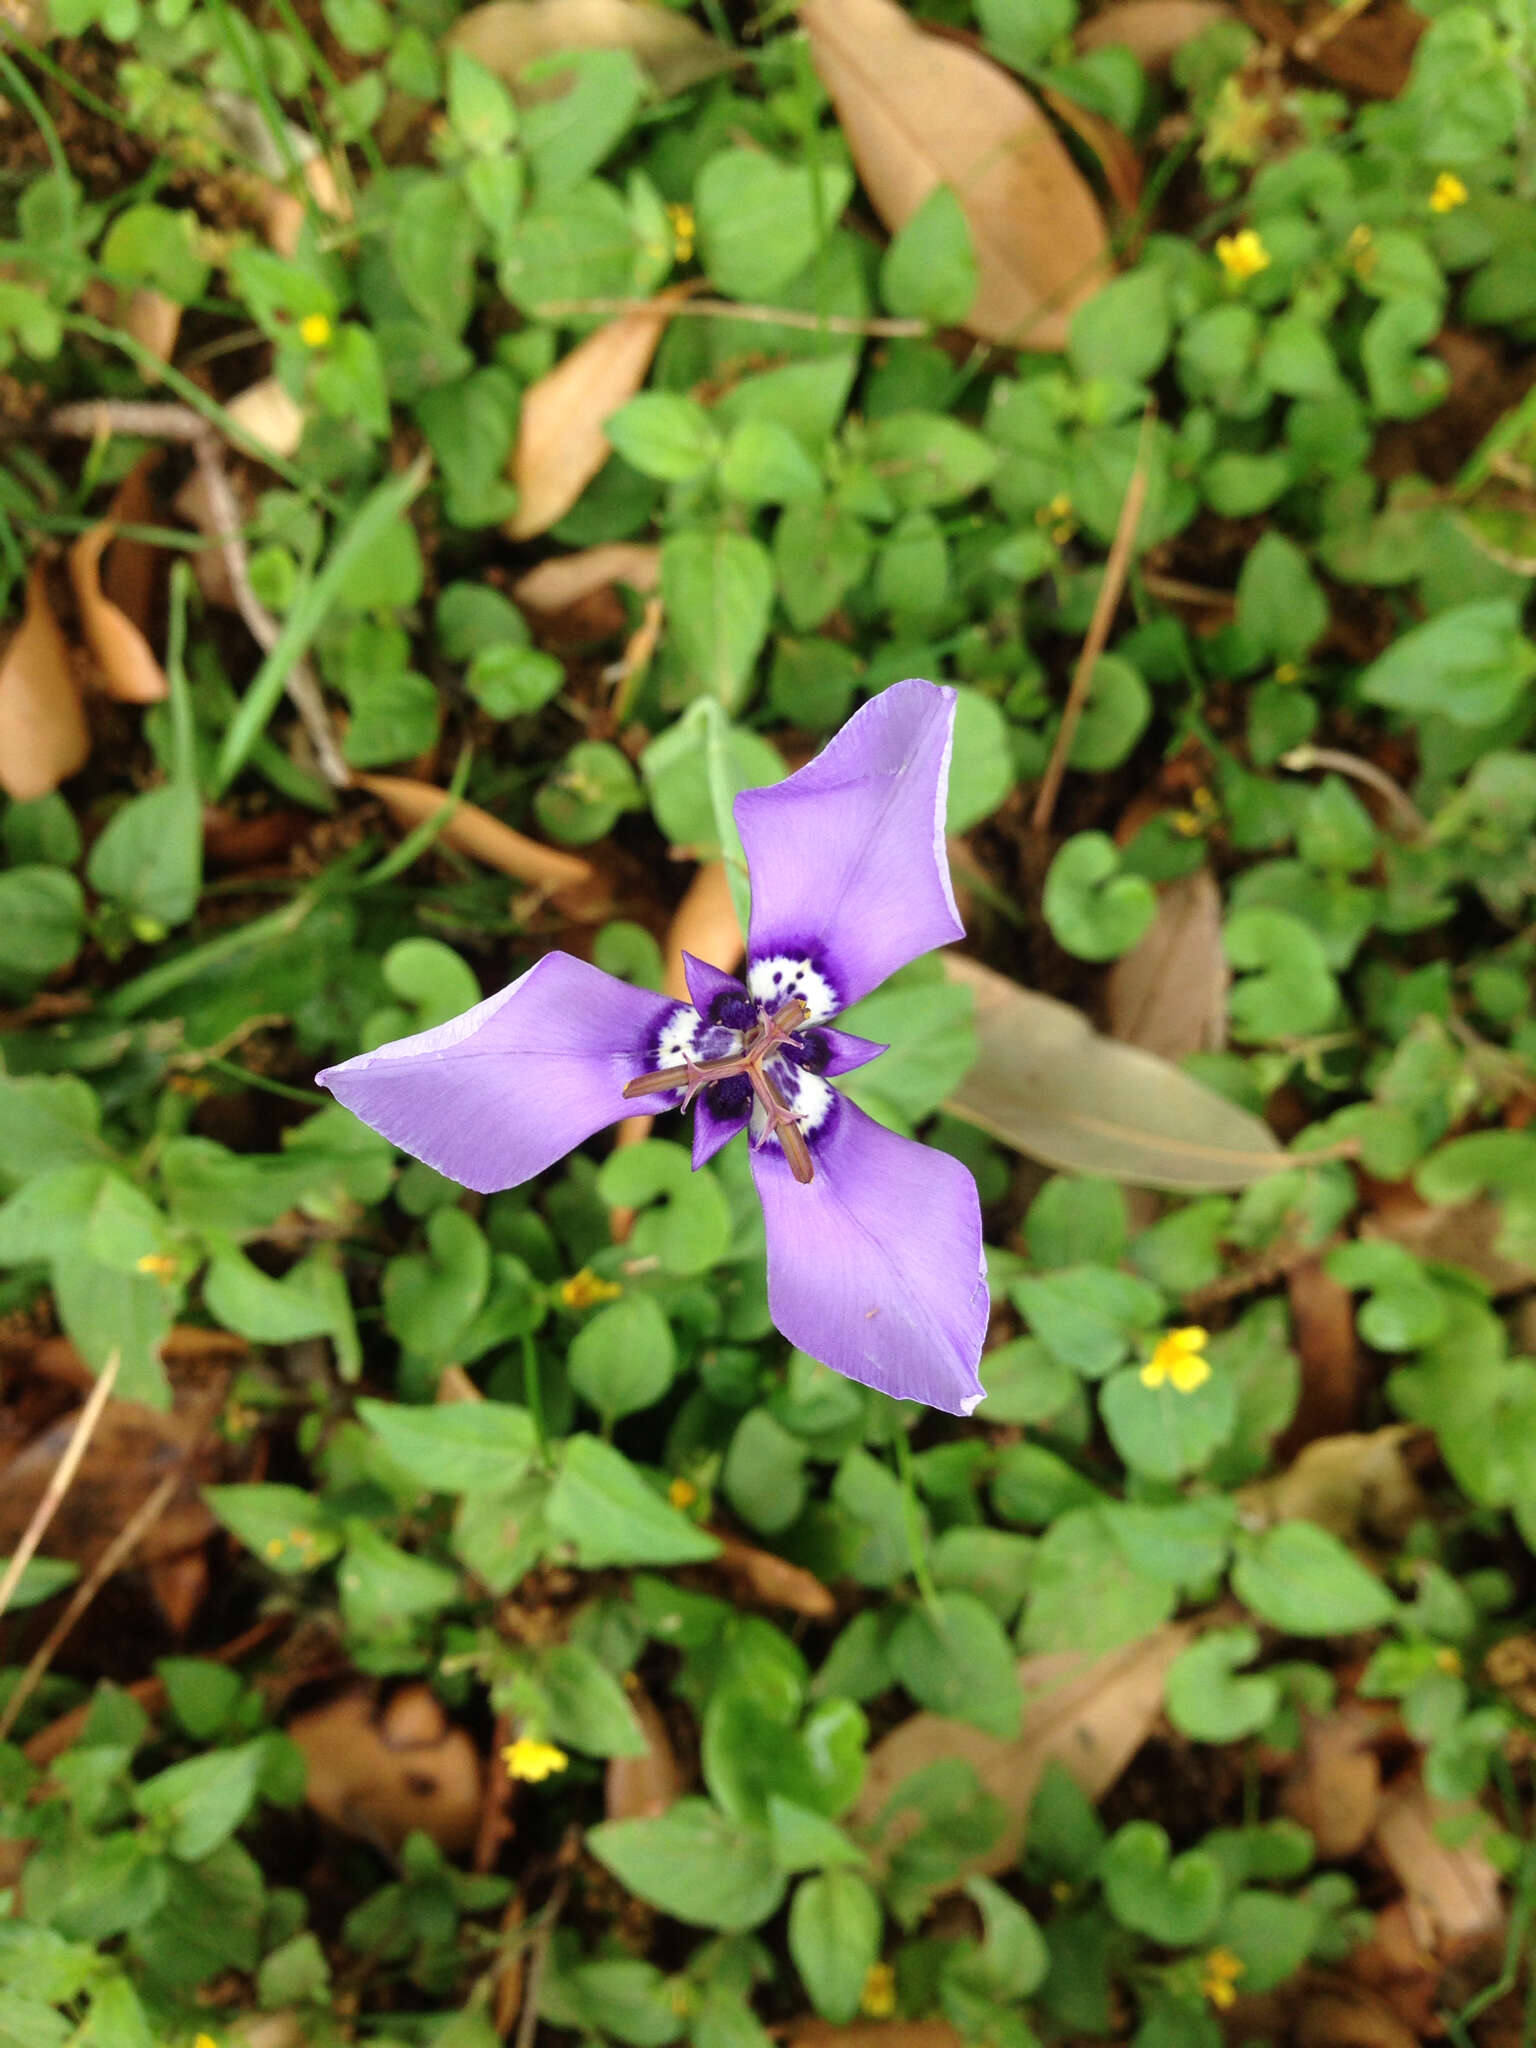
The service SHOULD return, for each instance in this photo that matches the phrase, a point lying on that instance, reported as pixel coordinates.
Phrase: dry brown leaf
(378, 1776)
(1323, 1319)
(564, 580)
(1335, 1791)
(478, 834)
(919, 111)
(1345, 2016)
(560, 440)
(127, 663)
(771, 1580)
(1465, 1235)
(178, 1586)
(1352, 1485)
(131, 1450)
(130, 569)
(507, 35)
(44, 738)
(640, 1787)
(1169, 993)
(154, 321)
(1089, 1715)
(1046, 1083)
(704, 924)
(1453, 1895)
(1110, 147)
(1152, 30)
(267, 413)
(808, 2032)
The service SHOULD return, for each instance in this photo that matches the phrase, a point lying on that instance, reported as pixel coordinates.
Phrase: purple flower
(875, 1263)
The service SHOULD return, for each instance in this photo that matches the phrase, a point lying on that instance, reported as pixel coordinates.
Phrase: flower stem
(533, 1395)
(913, 1516)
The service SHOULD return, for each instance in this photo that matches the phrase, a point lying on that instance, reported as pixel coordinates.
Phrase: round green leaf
(1095, 909)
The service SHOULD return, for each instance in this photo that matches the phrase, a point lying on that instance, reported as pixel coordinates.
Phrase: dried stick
(302, 688)
(89, 419)
(1105, 605)
(58, 1485)
(1402, 806)
(538, 1956)
(138, 1525)
(727, 309)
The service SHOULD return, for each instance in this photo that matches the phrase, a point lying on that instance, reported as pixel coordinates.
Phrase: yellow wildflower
(1242, 255)
(1449, 193)
(159, 1265)
(1448, 1660)
(585, 1290)
(275, 1546)
(205, 2041)
(533, 1761)
(684, 232)
(1180, 1359)
(1287, 672)
(878, 2000)
(1219, 1974)
(314, 330)
(682, 1493)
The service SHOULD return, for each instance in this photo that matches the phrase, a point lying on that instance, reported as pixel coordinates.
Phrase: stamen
(771, 1035)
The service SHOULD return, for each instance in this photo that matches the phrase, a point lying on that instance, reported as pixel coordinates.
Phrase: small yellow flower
(878, 1999)
(682, 1493)
(159, 1265)
(1219, 1974)
(1287, 672)
(205, 2041)
(1361, 251)
(1242, 255)
(533, 1761)
(1448, 1660)
(275, 1546)
(314, 330)
(684, 232)
(1180, 1359)
(585, 1290)
(1449, 193)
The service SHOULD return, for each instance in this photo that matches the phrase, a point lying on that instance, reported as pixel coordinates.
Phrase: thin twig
(1176, 591)
(58, 1484)
(1310, 41)
(1402, 807)
(727, 309)
(1105, 605)
(116, 1554)
(91, 419)
(303, 690)
(538, 1955)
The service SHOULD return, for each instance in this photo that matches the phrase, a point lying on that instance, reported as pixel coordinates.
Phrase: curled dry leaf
(378, 1776)
(640, 1787)
(1354, 1486)
(758, 1575)
(560, 440)
(127, 663)
(1453, 1895)
(1090, 1715)
(1047, 1084)
(44, 738)
(1323, 1320)
(1335, 1791)
(1345, 2016)
(1169, 993)
(1152, 30)
(565, 580)
(269, 416)
(508, 35)
(919, 111)
(814, 2033)
(153, 320)
(130, 569)
(1110, 147)
(478, 834)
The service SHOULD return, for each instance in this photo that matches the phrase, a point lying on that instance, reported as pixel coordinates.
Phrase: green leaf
(677, 769)
(761, 221)
(1116, 713)
(1303, 1581)
(1162, 1433)
(834, 1940)
(690, 1227)
(718, 590)
(455, 1447)
(1080, 1549)
(923, 458)
(1403, 384)
(430, 1298)
(154, 245)
(568, 136)
(1281, 609)
(766, 464)
(1470, 664)
(1175, 1902)
(929, 271)
(819, 553)
(694, 1863)
(1207, 1701)
(957, 1662)
(1286, 988)
(603, 1507)
(587, 1705)
(592, 789)
(384, 1588)
(1094, 908)
(198, 1804)
(624, 1358)
(150, 857)
(432, 246)
(285, 1527)
(1014, 1958)
(664, 435)
(42, 924)
(1088, 1316)
(1123, 331)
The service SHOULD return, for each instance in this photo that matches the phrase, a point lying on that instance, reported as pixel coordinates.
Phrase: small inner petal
(782, 977)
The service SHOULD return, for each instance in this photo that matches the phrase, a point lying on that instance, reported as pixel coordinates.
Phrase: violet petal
(876, 1267)
(706, 981)
(503, 1091)
(847, 856)
(711, 1131)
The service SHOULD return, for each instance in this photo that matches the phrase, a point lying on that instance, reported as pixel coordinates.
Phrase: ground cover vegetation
(446, 457)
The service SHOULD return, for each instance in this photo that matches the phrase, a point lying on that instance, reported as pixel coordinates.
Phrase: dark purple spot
(735, 1012)
(731, 1098)
(813, 1054)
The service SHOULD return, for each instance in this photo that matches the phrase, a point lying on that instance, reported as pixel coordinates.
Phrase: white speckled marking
(808, 1095)
(781, 977)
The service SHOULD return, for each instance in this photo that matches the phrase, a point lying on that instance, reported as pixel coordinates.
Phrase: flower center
(771, 1034)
